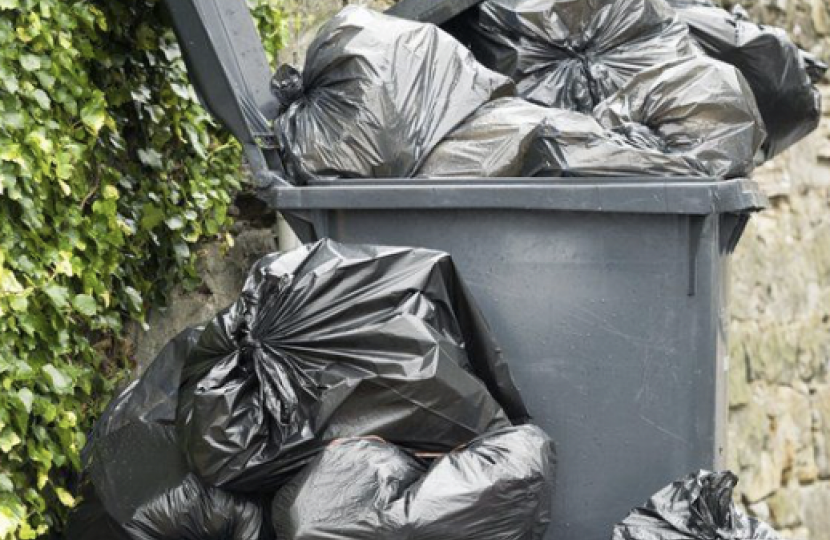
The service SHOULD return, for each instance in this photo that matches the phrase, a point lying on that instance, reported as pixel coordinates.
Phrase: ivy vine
(110, 172)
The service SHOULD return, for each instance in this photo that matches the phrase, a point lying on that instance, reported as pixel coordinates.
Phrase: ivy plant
(110, 173)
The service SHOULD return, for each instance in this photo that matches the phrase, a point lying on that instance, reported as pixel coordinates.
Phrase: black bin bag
(496, 488)
(779, 74)
(511, 137)
(335, 340)
(698, 107)
(572, 54)
(691, 117)
(377, 93)
(137, 485)
(696, 507)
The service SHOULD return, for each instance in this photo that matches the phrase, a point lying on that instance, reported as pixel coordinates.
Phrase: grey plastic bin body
(608, 298)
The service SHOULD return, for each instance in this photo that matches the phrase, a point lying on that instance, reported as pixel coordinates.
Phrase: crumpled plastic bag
(89, 520)
(572, 54)
(697, 107)
(780, 75)
(511, 137)
(135, 437)
(696, 507)
(496, 488)
(136, 482)
(192, 511)
(692, 117)
(376, 95)
(335, 340)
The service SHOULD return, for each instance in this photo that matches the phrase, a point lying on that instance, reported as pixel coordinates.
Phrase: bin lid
(621, 195)
(430, 11)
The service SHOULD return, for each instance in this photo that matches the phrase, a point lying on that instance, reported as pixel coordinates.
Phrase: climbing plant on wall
(110, 173)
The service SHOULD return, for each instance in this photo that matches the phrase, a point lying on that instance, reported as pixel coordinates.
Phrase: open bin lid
(430, 11)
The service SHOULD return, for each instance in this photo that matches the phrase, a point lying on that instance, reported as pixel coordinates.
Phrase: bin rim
(694, 196)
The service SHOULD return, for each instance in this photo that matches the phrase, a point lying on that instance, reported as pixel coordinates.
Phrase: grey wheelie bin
(608, 296)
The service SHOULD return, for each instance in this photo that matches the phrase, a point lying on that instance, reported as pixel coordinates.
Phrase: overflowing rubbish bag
(698, 108)
(335, 340)
(91, 521)
(692, 117)
(376, 95)
(780, 75)
(137, 485)
(498, 487)
(511, 137)
(696, 507)
(572, 54)
(192, 511)
(135, 437)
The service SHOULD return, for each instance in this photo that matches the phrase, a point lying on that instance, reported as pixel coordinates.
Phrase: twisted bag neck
(712, 509)
(642, 136)
(287, 85)
(255, 325)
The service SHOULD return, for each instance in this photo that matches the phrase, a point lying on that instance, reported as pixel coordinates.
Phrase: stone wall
(780, 345)
(779, 439)
(807, 21)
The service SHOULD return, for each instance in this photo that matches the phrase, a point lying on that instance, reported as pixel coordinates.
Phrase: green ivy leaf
(9, 4)
(61, 383)
(8, 522)
(174, 223)
(58, 294)
(19, 303)
(42, 99)
(85, 304)
(6, 484)
(136, 302)
(153, 215)
(30, 62)
(65, 497)
(11, 120)
(94, 115)
(11, 153)
(26, 398)
(8, 440)
(151, 158)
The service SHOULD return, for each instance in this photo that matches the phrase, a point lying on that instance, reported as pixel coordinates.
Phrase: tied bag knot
(287, 85)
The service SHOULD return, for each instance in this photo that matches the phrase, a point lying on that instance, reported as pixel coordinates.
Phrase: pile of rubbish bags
(545, 88)
(351, 392)
(345, 378)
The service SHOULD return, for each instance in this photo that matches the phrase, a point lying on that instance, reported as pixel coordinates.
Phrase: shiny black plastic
(90, 521)
(496, 488)
(378, 93)
(193, 512)
(698, 108)
(137, 484)
(777, 71)
(693, 117)
(334, 340)
(135, 436)
(572, 54)
(511, 137)
(697, 507)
